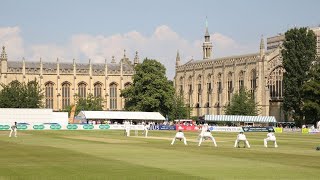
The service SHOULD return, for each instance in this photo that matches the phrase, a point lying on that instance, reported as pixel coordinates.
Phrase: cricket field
(108, 154)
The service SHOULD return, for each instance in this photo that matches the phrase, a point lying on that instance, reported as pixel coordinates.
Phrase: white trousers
(246, 143)
(145, 133)
(202, 138)
(15, 132)
(270, 139)
(128, 131)
(180, 138)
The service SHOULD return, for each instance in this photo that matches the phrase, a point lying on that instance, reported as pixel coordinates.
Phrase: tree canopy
(242, 104)
(151, 91)
(298, 54)
(90, 103)
(179, 109)
(311, 95)
(21, 95)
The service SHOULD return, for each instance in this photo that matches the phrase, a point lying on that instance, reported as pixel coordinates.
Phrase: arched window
(190, 91)
(219, 88)
(181, 86)
(82, 90)
(209, 92)
(230, 86)
(275, 83)
(241, 80)
(113, 96)
(199, 89)
(253, 82)
(49, 95)
(97, 90)
(65, 95)
(128, 84)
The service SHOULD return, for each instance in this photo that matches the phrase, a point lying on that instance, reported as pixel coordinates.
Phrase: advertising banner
(225, 129)
(314, 131)
(187, 128)
(167, 127)
(257, 129)
(4, 127)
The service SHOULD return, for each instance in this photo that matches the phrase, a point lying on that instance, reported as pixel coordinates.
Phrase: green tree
(242, 104)
(151, 91)
(298, 54)
(21, 95)
(90, 103)
(311, 95)
(179, 109)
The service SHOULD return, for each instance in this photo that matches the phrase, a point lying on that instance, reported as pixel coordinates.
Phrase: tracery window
(253, 82)
(113, 96)
(190, 91)
(82, 90)
(49, 95)
(241, 80)
(275, 83)
(230, 86)
(65, 95)
(97, 89)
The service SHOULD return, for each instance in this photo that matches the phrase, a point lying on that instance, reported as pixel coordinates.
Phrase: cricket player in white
(270, 137)
(204, 128)
(146, 129)
(127, 127)
(243, 138)
(207, 135)
(180, 136)
(13, 129)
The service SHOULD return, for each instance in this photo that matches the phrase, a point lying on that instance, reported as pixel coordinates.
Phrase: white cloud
(161, 45)
(10, 37)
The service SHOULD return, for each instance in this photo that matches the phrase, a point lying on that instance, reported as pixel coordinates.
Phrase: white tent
(32, 116)
(237, 118)
(121, 115)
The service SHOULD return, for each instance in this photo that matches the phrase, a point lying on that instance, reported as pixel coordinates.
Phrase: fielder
(270, 137)
(180, 136)
(207, 135)
(241, 137)
(146, 129)
(127, 127)
(13, 129)
(204, 128)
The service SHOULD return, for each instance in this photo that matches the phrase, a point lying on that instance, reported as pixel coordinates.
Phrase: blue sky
(98, 29)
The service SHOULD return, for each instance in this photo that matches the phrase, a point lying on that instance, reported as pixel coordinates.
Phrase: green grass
(110, 155)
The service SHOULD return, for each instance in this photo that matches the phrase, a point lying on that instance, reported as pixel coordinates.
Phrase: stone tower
(207, 45)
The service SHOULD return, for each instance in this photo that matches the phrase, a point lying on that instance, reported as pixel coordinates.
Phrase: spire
(207, 31)
(178, 59)
(3, 53)
(136, 58)
(207, 45)
(124, 54)
(262, 46)
(113, 60)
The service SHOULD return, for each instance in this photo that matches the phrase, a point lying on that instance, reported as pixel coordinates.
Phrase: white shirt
(179, 135)
(207, 134)
(271, 135)
(241, 137)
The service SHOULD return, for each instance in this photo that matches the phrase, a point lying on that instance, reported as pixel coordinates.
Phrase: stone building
(62, 81)
(276, 41)
(208, 84)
